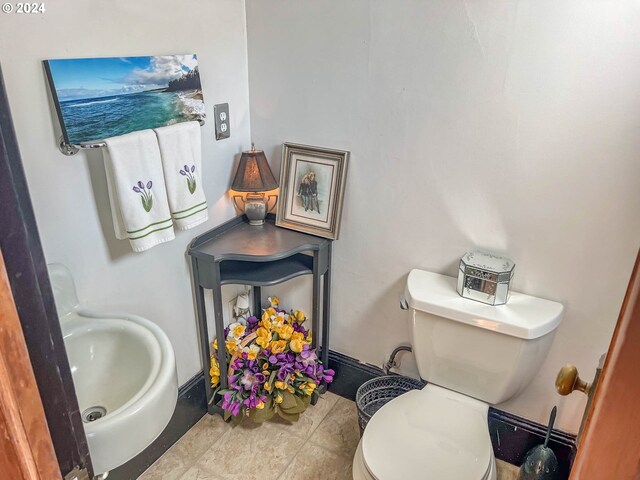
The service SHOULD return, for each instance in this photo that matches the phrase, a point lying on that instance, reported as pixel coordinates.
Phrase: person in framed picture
(313, 192)
(303, 192)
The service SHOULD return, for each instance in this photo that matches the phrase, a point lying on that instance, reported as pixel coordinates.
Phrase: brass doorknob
(568, 380)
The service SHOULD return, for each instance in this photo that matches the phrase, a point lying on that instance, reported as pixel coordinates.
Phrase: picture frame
(312, 187)
(102, 97)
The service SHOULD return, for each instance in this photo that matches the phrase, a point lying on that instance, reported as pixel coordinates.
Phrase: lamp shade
(254, 174)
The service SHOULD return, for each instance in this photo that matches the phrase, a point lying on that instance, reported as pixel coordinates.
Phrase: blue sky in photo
(83, 78)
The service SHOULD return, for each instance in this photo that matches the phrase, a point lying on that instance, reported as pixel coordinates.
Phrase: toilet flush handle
(568, 380)
(403, 304)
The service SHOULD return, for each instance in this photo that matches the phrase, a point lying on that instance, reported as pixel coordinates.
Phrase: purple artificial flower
(193, 168)
(272, 359)
(149, 183)
(183, 173)
(226, 401)
(328, 375)
(186, 168)
(136, 189)
(307, 356)
(237, 364)
(249, 379)
(140, 184)
(284, 372)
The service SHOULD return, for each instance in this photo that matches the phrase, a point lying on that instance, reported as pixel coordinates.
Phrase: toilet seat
(433, 433)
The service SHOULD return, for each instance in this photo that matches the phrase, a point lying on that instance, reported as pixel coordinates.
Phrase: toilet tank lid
(523, 316)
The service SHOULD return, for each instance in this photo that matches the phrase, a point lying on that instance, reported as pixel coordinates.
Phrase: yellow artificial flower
(267, 386)
(236, 330)
(297, 336)
(265, 316)
(279, 398)
(285, 331)
(251, 351)
(271, 311)
(296, 345)
(278, 346)
(280, 385)
(231, 345)
(260, 405)
(214, 372)
(264, 337)
(265, 365)
(308, 387)
(215, 344)
(274, 301)
(266, 323)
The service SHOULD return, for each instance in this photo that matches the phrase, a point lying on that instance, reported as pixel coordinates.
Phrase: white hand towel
(181, 152)
(136, 190)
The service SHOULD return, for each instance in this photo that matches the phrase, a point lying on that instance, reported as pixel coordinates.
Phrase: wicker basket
(374, 393)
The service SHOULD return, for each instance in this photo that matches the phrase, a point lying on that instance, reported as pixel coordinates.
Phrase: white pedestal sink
(124, 372)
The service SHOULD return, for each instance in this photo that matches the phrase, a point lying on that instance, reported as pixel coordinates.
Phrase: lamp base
(255, 208)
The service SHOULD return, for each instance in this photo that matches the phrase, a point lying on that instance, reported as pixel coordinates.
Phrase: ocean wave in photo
(192, 104)
(110, 116)
(75, 105)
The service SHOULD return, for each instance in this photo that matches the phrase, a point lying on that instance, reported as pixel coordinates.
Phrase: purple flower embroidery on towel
(191, 179)
(145, 194)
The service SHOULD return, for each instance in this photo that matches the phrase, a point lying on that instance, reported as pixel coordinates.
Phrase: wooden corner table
(238, 253)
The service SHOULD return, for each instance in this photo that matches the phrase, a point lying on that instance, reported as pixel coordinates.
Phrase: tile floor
(320, 446)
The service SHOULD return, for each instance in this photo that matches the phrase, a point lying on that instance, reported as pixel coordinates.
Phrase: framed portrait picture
(312, 181)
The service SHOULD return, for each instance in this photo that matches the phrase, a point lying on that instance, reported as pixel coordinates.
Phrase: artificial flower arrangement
(272, 367)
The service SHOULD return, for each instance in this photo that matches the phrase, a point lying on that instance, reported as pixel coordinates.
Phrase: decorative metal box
(485, 277)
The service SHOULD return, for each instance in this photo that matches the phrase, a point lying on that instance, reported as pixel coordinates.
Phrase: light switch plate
(223, 125)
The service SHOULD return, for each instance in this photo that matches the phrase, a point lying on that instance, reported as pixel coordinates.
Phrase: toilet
(472, 355)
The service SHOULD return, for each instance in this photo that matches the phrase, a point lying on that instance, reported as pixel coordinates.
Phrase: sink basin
(124, 372)
(123, 369)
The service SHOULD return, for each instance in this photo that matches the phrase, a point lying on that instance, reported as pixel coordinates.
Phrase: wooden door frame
(29, 281)
(610, 444)
(26, 450)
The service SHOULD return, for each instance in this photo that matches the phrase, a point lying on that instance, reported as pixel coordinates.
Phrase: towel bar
(71, 149)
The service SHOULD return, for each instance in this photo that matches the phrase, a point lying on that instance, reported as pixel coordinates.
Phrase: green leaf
(262, 415)
(293, 417)
(237, 420)
(299, 407)
(288, 400)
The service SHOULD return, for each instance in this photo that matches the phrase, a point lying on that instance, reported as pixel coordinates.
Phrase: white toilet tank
(487, 352)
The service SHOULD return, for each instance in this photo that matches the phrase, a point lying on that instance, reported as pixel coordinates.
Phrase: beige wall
(69, 193)
(507, 126)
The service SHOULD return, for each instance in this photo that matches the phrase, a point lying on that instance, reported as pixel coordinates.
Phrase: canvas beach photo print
(97, 98)
(312, 181)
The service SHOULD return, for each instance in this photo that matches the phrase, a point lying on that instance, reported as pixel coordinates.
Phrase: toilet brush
(541, 463)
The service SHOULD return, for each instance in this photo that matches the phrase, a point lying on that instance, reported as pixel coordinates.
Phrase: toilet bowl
(124, 373)
(472, 355)
(429, 433)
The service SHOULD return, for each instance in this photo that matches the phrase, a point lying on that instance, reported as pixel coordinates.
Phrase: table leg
(203, 331)
(326, 310)
(219, 323)
(257, 301)
(315, 309)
